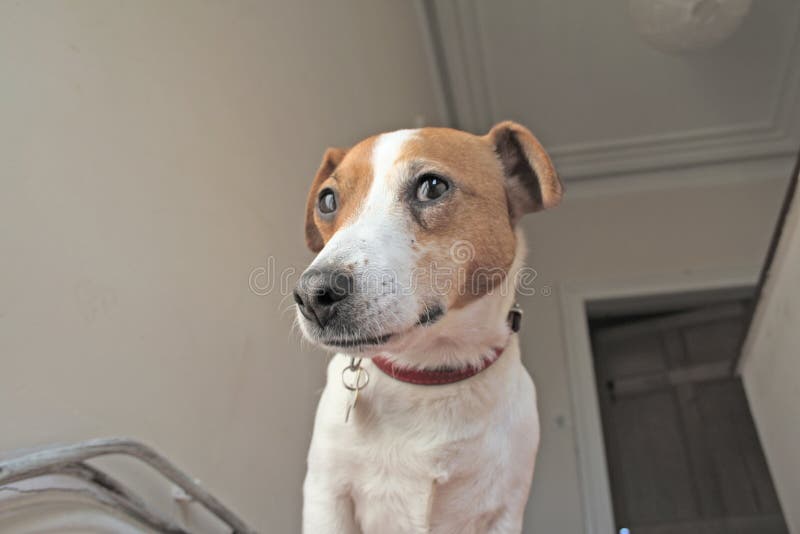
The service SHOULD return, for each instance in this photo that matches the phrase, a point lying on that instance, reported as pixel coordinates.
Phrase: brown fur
(349, 174)
(531, 178)
(475, 219)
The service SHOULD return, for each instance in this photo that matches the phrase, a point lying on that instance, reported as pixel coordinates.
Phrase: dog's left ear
(532, 183)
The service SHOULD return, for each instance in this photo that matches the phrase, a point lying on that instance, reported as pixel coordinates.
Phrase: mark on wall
(94, 300)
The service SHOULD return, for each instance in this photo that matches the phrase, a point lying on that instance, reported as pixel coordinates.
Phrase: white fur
(455, 458)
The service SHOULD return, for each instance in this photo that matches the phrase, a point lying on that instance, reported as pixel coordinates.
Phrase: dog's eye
(431, 187)
(327, 201)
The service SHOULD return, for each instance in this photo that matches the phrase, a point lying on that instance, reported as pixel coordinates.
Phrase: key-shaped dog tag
(354, 378)
(352, 404)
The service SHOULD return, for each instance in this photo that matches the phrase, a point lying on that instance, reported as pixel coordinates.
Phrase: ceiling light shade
(678, 26)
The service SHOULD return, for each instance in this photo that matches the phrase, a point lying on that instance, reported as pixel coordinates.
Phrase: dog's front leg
(327, 509)
(506, 522)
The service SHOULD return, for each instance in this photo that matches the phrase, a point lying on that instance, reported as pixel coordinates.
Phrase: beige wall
(153, 154)
(771, 368)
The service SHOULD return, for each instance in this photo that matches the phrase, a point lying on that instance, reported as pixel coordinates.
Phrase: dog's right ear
(330, 160)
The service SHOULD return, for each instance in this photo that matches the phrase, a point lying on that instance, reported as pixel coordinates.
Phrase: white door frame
(598, 514)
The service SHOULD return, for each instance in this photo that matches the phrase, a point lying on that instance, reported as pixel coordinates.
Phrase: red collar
(447, 375)
(434, 377)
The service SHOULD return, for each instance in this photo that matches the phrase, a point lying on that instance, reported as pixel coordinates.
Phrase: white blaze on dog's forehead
(377, 220)
(385, 181)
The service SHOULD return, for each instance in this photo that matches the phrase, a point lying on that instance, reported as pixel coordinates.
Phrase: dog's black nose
(318, 291)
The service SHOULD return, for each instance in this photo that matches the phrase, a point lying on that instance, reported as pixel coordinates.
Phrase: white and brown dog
(418, 255)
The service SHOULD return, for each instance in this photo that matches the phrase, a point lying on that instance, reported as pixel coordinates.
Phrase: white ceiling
(602, 100)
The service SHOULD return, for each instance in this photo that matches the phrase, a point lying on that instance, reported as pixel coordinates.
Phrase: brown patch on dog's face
(348, 173)
(468, 233)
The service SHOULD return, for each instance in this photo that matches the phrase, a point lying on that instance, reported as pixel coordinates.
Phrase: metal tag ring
(357, 382)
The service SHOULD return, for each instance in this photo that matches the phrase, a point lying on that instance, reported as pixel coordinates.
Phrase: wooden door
(683, 453)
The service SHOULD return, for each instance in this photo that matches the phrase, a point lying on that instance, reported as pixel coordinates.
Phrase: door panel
(683, 452)
(649, 438)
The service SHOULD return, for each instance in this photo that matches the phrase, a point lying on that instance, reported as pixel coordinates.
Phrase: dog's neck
(467, 335)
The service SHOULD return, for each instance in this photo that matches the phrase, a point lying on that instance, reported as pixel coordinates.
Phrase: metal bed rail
(70, 460)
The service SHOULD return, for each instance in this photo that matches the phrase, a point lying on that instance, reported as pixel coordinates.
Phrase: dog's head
(413, 225)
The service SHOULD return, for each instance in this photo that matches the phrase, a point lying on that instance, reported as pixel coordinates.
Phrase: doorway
(682, 451)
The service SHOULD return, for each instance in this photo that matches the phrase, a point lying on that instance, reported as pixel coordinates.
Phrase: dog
(428, 422)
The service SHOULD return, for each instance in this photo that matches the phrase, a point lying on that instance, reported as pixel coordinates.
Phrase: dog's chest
(409, 485)
(427, 459)
(409, 470)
